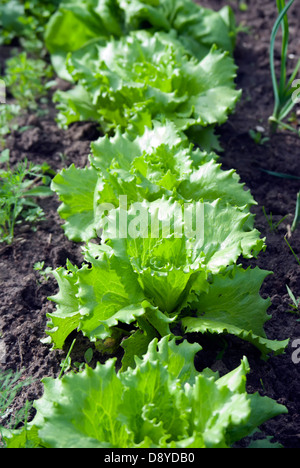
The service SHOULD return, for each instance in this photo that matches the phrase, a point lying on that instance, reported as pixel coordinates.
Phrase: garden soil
(24, 293)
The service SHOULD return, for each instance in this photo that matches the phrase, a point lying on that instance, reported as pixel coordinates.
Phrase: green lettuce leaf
(144, 77)
(79, 104)
(95, 298)
(124, 149)
(108, 293)
(209, 234)
(232, 305)
(77, 189)
(66, 317)
(77, 22)
(149, 266)
(161, 403)
(210, 182)
(82, 190)
(156, 164)
(171, 247)
(198, 28)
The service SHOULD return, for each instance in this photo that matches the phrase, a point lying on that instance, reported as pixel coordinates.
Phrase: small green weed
(292, 250)
(67, 364)
(18, 190)
(11, 383)
(26, 78)
(242, 5)
(273, 226)
(257, 137)
(44, 272)
(295, 302)
(8, 112)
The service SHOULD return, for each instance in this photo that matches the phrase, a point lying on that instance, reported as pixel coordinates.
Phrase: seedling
(297, 214)
(44, 272)
(66, 363)
(273, 227)
(242, 5)
(286, 89)
(8, 112)
(292, 250)
(295, 302)
(258, 137)
(18, 190)
(25, 78)
(11, 383)
(88, 356)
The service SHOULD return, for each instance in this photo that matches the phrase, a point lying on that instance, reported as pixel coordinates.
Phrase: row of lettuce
(158, 77)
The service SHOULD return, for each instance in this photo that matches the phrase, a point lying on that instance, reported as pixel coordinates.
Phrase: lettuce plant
(197, 28)
(158, 163)
(151, 281)
(162, 402)
(127, 83)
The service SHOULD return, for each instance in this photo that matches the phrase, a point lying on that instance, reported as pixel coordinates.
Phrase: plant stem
(284, 49)
(66, 359)
(297, 214)
(280, 90)
(292, 250)
(273, 123)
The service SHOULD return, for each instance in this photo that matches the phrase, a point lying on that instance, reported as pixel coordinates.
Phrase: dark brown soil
(23, 294)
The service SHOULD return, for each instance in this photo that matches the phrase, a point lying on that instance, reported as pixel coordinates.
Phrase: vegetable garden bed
(24, 296)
